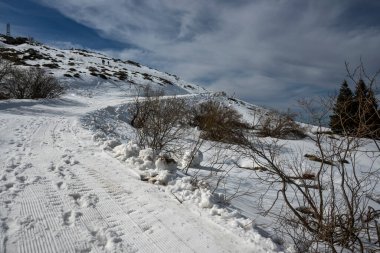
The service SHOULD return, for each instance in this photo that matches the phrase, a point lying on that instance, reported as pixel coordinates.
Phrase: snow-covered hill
(78, 66)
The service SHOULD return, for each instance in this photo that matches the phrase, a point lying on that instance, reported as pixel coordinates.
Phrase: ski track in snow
(62, 193)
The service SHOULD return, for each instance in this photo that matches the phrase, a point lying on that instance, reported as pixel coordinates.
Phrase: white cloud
(276, 50)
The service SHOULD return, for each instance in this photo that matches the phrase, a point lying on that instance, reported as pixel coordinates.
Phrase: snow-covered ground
(61, 191)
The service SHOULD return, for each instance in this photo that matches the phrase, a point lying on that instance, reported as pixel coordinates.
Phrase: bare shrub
(5, 72)
(218, 122)
(324, 206)
(280, 125)
(32, 83)
(159, 121)
(5, 69)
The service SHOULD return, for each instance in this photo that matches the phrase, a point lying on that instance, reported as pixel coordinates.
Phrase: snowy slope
(60, 191)
(79, 67)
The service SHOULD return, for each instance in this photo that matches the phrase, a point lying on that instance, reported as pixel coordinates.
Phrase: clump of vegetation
(103, 76)
(134, 63)
(147, 77)
(15, 41)
(219, 122)
(158, 120)
(12, 55)
(165, 81)
(31, 83)
(280, 125)
(51, 65)
(121, 75)
(93, 69)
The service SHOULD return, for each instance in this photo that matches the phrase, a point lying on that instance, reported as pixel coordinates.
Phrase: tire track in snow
(162, 235)
(111, 219)
(74, 206)
(44, 231)
(75, 189)
(172, 243)
(13, 181)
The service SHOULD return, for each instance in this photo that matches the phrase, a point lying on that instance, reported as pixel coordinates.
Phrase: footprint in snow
(8, 186)
(52, 167)
(70, 217)
(21, 179)
(27, 222)
(61, 185)
(76, 197)
(90, 200)
(109, 239)
(22, 168)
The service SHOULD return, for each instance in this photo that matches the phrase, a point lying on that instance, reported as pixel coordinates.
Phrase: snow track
(59, 192)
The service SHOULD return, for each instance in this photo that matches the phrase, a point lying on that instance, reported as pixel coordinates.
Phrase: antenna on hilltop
(9, 30)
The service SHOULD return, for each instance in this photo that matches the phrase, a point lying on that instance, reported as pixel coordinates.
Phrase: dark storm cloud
(266, 51)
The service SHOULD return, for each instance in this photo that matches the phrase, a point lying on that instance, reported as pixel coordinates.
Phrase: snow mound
(141, 160)
(193, 192)
(125, 151)
(111, 144)
(164, 177)
(147, 154)
(192, 159)
(165, 163)
(186, 190)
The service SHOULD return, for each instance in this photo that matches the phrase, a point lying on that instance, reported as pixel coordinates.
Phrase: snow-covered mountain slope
(78, 66)
(60, 191)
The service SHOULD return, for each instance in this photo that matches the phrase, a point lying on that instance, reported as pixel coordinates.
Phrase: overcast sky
(268, 52)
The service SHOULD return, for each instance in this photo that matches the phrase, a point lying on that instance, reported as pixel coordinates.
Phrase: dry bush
(159, 121)
(5, 72)
(280, 125)
(218, 122)
(5, 69)
(32, 83)
(325, 209)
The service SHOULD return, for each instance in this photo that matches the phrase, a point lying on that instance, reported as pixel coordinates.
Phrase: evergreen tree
(373, 116)
(367, 120)
(342, 120)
